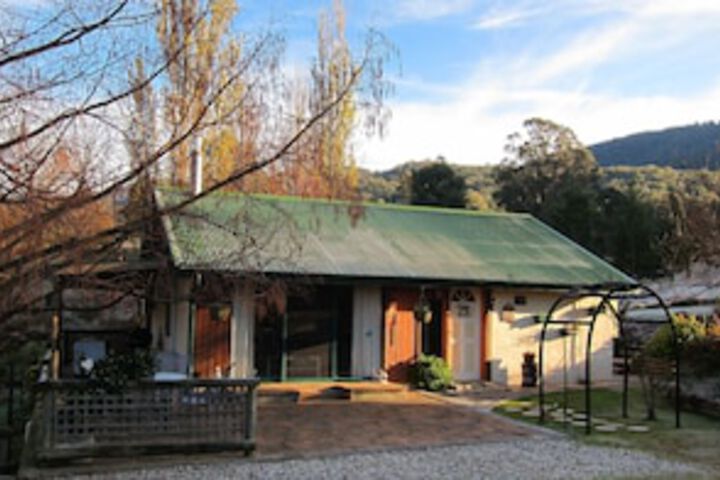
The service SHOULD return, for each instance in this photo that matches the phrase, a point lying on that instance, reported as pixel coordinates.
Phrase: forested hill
(690, 146)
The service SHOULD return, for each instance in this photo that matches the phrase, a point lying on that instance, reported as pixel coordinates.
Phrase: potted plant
(508, 313)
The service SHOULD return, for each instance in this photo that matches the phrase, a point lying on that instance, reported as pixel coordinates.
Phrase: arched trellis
(607, 295)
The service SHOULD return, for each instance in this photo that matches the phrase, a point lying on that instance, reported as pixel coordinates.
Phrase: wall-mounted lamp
(422, 310)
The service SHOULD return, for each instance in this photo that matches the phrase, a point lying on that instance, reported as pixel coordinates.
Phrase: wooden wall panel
(400, 339)
(212, 341)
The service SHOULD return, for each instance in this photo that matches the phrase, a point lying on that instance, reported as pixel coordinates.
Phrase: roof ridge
(364, 203)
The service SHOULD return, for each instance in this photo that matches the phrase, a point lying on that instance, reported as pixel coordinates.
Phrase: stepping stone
(579, 416)
(638, 428)
(607, 428)
(578, 423)
(513, 409)
(531, 413)
(523, 404)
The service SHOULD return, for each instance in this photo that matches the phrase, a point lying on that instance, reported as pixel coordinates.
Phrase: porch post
(181, 311)
(56, 360)
(242, 330)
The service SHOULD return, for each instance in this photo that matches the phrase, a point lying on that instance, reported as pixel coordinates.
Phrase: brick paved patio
(407, 419)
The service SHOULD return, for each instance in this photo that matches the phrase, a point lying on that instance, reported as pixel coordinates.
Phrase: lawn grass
(698, 441)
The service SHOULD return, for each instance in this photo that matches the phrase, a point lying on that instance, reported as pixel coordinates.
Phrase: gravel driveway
(523, 458)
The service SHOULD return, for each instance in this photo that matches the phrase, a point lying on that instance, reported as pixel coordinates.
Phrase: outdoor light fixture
(422, 310)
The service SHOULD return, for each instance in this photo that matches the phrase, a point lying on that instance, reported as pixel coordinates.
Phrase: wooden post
(55, 359)
(56, 333)
(250, 417)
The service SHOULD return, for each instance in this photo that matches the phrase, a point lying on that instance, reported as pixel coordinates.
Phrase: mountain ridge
(694, 146)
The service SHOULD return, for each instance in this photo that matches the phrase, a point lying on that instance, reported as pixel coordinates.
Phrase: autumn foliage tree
(324, 165)
(136, 86)
(209, 51)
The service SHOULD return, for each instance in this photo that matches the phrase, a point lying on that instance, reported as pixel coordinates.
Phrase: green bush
(688, 330)
(701, 357)
(431, 373)
(114, 373)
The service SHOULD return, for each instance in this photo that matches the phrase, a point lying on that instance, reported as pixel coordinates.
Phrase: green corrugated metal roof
(246, 233)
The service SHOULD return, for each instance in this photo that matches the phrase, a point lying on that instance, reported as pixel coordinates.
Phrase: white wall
(180, 312)
(173, 345)
(366, 331)
(509, 340)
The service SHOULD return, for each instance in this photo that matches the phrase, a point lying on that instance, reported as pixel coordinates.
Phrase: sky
(470, 71)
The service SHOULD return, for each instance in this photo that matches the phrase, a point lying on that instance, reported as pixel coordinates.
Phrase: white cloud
(673, 8)
(507, 17)
(590, 48)
(472, 128)
(499, 15)
(468, 121)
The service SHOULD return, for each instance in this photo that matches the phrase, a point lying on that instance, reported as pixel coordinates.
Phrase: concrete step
(284, 393)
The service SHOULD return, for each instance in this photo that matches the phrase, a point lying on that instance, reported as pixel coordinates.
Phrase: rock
(607, 428)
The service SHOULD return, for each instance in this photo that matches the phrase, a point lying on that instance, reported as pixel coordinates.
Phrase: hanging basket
(423, 313)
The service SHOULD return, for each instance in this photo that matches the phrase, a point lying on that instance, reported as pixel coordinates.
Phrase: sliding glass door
(311, 340)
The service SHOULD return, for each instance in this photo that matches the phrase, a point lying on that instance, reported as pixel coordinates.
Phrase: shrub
(702, 357)
(114, 373)
(431, 373)
(25, 361)
(687, 328)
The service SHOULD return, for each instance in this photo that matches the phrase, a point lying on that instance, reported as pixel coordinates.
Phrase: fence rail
(73, 419)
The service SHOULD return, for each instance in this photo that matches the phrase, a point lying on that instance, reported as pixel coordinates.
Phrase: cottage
(288, 288)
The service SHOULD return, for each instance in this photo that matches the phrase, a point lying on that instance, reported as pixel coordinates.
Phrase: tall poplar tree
(206, 55)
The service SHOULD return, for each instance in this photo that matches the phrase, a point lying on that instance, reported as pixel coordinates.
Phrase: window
(462, 295)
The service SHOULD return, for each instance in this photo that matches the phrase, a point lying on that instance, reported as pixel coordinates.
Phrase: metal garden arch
(607, 295)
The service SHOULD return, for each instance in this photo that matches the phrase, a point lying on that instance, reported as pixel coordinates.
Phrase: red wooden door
(212, 341)
(400, 333)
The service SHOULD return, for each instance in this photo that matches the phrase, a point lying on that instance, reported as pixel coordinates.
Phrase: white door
(465, 337)
(367, 331)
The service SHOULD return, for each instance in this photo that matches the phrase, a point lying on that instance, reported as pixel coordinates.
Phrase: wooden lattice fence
(73, 419)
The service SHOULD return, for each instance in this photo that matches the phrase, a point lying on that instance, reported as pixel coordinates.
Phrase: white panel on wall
(465, 341)
(181, 316)
(366, 331)
(242, 331)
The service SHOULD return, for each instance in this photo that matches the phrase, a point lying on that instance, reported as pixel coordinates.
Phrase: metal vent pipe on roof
(196, 166)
